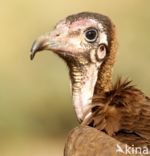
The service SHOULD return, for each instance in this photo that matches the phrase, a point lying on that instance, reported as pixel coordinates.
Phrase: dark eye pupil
(91, 35)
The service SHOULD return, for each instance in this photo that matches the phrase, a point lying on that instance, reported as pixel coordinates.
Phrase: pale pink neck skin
(83, 88)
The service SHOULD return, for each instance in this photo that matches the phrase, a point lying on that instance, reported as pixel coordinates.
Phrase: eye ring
(91, 35)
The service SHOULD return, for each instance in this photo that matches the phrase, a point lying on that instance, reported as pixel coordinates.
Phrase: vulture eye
(91, 35)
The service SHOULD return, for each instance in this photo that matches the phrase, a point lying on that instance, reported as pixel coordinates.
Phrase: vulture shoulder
(88, 141)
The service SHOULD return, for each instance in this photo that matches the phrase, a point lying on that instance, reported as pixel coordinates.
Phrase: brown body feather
(124, 113)
(88, 141)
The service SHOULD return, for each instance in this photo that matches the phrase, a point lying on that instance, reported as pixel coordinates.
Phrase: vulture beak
(44, 42)
(38, 45)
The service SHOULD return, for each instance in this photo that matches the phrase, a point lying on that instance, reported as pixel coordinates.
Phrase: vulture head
(86, 42)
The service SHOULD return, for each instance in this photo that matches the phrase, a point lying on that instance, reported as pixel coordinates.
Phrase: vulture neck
(83, 80)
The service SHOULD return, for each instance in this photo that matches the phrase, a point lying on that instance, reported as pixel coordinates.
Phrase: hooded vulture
(87, 43)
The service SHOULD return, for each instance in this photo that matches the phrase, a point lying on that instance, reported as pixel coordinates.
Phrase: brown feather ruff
(123, 112)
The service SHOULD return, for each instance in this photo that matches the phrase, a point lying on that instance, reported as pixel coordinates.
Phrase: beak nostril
(57, 35)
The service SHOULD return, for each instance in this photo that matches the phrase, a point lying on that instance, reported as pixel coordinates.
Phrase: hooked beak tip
(33, 50)
(32, 56)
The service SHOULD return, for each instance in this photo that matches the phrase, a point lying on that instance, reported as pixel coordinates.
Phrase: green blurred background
(35, 104)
